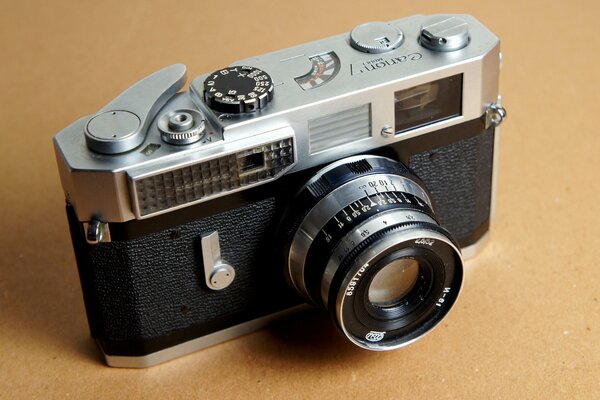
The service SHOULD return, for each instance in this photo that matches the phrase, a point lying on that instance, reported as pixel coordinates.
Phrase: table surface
(527, 324)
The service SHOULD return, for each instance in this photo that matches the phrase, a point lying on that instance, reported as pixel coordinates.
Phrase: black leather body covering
(145, 291)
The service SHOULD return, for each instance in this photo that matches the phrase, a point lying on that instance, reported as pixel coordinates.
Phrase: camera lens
(393, 282)
(365, 244)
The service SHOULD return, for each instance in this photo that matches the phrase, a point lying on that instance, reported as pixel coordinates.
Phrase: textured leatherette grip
(459, 179)
(153, 286)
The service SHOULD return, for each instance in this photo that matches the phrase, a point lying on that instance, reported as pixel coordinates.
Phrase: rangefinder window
(428, 103)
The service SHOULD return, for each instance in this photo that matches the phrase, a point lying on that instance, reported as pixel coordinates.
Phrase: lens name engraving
(441, 300)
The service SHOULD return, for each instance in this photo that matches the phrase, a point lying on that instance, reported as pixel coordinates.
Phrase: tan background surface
(528, 322)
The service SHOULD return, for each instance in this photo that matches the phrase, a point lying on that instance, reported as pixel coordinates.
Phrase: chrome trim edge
(202, 342)
(495, 171)
(474, 249)
(471, 251)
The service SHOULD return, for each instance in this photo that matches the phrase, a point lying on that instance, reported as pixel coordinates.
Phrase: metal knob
(376, 37)
(121, 125)
(444, 33)
(217, 273)
(182, 127)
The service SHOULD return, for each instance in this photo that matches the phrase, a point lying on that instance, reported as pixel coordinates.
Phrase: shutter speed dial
(238, 89)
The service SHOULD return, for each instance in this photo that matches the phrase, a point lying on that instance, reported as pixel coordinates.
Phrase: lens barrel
(366, 245)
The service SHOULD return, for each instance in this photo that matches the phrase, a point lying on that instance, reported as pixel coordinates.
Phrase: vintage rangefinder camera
(349, 173)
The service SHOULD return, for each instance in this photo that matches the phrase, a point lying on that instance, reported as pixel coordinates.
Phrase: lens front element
(393, 282)
(367, 247)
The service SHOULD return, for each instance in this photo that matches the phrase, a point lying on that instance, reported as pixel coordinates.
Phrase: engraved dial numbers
(378, 199)
(238, 89)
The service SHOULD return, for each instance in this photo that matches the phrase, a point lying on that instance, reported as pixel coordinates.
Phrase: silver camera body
(241, 148)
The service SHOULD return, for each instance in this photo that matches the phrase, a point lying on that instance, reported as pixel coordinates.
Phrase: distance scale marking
(381, 197)
(379, 206)
(368, 205)
(324, 68)
(361, 210)
(238, 89)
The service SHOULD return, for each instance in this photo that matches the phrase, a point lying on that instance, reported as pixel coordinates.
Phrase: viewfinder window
(252, 162)
(428, 103)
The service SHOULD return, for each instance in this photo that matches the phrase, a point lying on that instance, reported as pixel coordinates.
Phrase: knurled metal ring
(182, 127)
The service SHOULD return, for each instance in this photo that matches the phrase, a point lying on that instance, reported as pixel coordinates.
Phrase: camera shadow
(307, 337)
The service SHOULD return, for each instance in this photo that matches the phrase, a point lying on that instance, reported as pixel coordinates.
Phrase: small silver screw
(387, 131)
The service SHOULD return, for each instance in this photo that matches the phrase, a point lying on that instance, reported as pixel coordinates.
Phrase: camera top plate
(333, 98)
